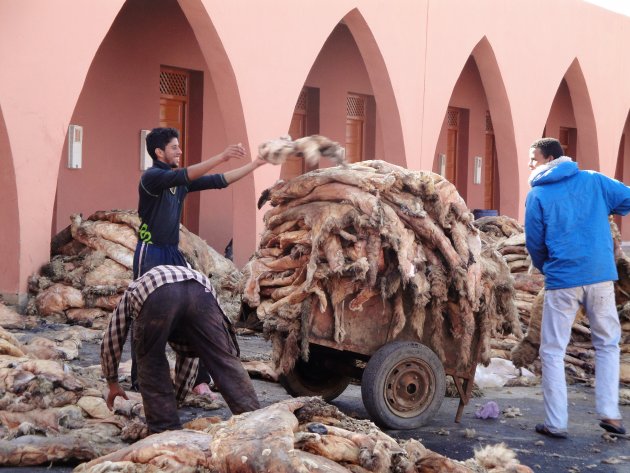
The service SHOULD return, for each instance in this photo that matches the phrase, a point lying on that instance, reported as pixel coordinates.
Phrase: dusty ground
(585, 449)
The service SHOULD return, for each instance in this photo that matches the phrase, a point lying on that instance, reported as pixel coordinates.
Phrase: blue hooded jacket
(566, 224)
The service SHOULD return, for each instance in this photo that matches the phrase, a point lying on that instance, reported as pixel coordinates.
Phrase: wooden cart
(402, 380)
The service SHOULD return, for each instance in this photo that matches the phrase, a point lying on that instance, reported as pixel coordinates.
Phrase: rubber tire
(313, 379)
(381, 366)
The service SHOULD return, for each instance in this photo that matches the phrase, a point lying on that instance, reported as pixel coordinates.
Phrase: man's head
(163, 145)
(543, 151)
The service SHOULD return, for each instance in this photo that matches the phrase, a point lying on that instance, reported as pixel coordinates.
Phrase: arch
(587, 147)
(503, 124)
(34, 123)
(622, 173)
(230, 122)
(9, 215)
(387, 106)
(502, 121)
(231, 109)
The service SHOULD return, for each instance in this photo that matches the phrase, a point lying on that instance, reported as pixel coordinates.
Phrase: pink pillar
(37, 94)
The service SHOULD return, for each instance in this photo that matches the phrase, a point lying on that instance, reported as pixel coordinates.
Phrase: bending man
(175, 305)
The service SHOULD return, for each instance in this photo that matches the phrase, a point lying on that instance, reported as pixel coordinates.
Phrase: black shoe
(542, 429)
(613, 429)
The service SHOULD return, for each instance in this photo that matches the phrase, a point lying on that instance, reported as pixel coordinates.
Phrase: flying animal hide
(310, 148)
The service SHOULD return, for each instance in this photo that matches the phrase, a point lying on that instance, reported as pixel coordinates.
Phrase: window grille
(489, 128)
(302, 103)
(452, 118)
(174, 83)
(355, 107)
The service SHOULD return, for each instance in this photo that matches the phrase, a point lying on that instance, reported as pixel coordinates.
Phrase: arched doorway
(622, 173)
(9, 215)
(339, 100)
(141, 78)
(571, 119)
(476, 146)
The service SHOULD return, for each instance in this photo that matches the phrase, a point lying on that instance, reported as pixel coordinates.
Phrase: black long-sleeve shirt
(162, 191)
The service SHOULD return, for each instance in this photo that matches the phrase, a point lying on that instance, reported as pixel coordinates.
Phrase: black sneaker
(544, 430)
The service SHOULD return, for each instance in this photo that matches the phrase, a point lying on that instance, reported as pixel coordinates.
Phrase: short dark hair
(159, 138)
(549, 147)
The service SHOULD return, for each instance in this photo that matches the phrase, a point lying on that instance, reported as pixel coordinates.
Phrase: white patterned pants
(559, 312)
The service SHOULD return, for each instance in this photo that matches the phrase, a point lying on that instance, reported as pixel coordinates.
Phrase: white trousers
(559, 313)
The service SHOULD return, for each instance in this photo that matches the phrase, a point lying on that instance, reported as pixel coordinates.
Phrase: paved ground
(585, 450)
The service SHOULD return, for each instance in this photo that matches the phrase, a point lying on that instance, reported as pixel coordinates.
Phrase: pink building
(461, 87)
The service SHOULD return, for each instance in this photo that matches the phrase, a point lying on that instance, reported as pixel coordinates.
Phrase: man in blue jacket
(568, 238)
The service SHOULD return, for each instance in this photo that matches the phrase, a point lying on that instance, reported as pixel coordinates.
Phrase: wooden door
(488, 172)
(294, 166)
(355, 127)
(452, 135)
(174, 97)
(489, 166)
(568, 140)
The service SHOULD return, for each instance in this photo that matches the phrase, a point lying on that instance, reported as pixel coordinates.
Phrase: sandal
(544, 430)
(612, 428)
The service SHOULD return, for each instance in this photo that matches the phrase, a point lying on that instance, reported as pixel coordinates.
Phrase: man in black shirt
(162, 191)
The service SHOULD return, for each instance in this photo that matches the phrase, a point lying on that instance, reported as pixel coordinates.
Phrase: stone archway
(486, 68)
(579, 119)
(36, 108)
(503, 124)
(387, 106)
(231, 109)
(622, 173)
(9, 216)
(111, 83)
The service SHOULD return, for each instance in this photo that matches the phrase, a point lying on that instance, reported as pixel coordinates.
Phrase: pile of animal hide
(507, 237)
(50, 411)
(298, 435)
(344, 235)
(9, 318)
(92, 263)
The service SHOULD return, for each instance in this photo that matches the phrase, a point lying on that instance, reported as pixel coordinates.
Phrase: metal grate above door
(355, 107)
(302, 103)
(452, 118)
(489, 128)
(174, 83)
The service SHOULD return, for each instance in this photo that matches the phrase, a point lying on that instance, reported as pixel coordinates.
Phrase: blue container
(478, 213)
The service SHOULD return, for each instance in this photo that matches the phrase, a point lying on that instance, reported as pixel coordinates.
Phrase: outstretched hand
(115, 390)
(233, 152)
(259, 161)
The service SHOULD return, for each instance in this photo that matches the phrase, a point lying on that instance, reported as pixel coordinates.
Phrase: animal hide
(310, 148)
(347, 235)
(294, 436)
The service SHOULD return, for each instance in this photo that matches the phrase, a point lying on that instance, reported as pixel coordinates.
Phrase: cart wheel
(313, 378)
(403, 385)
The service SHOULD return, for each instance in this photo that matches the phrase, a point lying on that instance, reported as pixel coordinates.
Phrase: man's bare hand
(115, 390)
(233, 152)
(259, 162)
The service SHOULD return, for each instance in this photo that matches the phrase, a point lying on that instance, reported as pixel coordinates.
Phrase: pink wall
(258, 55)
(39, 85)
